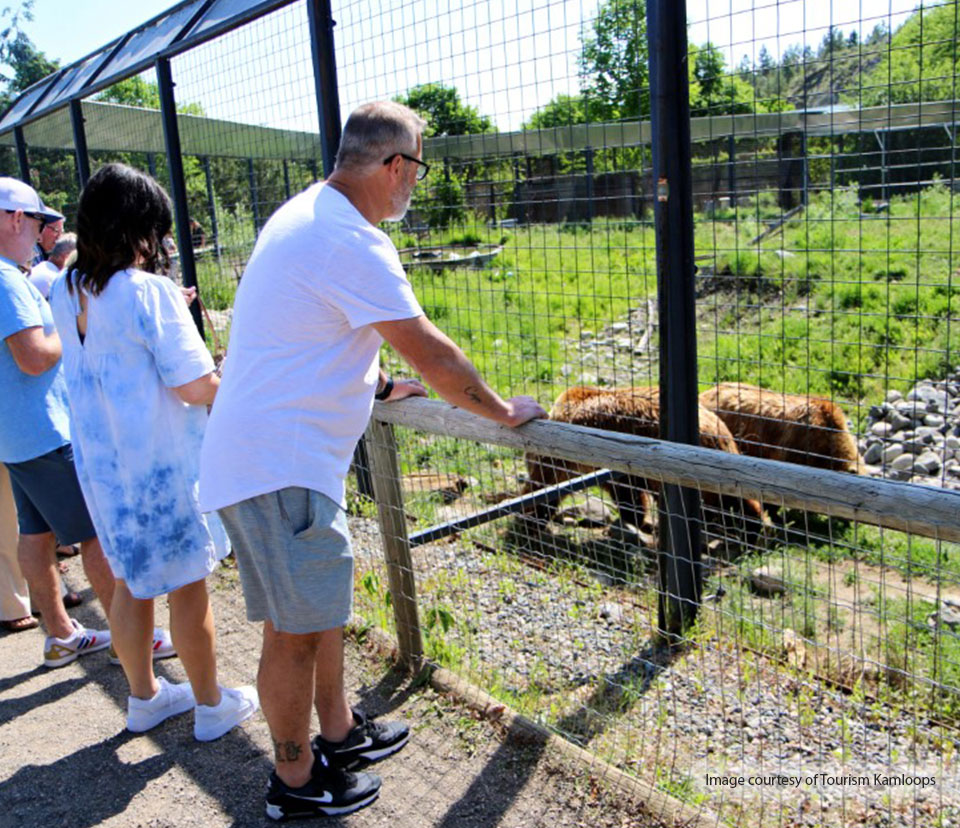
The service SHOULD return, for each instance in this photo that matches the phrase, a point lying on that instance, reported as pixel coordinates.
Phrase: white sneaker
(236, 705)
(162, 647)
(60, 651)
(170, 699)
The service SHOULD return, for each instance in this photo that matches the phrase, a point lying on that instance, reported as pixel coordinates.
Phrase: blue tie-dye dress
(136, 444)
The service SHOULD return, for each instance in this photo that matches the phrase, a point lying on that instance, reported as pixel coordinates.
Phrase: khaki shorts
(294, 557)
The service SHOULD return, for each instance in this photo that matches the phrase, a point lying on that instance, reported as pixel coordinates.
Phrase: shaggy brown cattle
(632, 411)
(808, 431)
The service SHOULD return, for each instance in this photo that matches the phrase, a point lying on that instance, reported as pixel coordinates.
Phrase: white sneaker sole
(209, 734)
(276, 812)
(63, 661)
(150, 722)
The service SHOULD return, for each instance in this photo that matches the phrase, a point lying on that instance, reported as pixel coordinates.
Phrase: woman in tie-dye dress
(139, 379)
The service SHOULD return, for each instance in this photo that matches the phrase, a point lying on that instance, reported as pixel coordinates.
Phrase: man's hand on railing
(522, 409)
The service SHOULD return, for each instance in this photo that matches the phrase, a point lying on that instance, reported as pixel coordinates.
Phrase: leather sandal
(16, 625)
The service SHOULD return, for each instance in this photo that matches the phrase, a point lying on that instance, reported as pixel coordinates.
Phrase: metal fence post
(80, 143)
(178, 187)
(680, 575)
(320, 18)
(385, 471)
(588, 157)
(732, 168)
(211, 206)
(254, 195)
(22, 160)
(321, 22)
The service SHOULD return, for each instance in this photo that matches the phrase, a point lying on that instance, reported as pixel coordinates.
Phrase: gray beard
(400, 205)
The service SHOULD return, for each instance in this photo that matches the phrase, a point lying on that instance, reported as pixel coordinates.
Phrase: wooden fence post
(385, 471)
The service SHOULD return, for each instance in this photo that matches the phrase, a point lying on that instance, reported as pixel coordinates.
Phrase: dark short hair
(122, 218)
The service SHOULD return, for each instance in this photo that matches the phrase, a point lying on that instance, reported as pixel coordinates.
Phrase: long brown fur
(808, 431)
(631, 411)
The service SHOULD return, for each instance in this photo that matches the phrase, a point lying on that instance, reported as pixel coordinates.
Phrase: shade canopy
(114, 127)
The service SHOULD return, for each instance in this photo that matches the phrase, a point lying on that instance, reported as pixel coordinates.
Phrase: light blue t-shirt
(136, 444)
(34, 414)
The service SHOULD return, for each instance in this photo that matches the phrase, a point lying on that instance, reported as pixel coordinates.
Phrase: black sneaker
(368, 742)
(330, 792)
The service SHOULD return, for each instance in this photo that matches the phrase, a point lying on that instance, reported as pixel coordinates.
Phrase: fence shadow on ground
(103, 786)
(232, 771)
(495, 789)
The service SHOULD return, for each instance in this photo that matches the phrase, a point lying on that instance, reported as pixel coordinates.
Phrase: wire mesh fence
(818, 681)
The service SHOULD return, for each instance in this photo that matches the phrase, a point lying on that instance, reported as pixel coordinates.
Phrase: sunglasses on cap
(44, 220)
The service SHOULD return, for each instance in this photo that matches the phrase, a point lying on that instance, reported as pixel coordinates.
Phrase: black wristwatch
(385, 391)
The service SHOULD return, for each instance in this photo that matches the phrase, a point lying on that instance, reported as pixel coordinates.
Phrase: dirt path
(66, 759)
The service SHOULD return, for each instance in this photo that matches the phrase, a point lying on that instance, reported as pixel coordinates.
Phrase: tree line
(918, 61)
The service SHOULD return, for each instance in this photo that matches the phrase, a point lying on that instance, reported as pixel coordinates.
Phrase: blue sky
(70, 29)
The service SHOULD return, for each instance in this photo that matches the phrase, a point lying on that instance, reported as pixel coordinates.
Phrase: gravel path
(577, 648)
(68, 761)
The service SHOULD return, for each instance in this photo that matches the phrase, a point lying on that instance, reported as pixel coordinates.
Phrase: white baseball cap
(15, 195)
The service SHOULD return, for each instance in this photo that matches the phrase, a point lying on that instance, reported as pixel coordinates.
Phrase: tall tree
(26, 65)
(565, 110)
(446, 114)
(614, 63)
(921, 62)
(709, 67)
(714, 91)
(11, 18)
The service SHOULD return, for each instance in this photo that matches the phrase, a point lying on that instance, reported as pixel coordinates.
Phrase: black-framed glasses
(422, 168)
(44, 221)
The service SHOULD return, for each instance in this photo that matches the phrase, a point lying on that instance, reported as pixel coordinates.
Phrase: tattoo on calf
(287, 751)
(473, 392)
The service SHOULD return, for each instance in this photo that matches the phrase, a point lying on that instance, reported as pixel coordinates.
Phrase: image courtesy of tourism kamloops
(819, 780)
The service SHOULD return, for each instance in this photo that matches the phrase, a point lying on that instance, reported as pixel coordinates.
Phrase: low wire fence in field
(729, 225)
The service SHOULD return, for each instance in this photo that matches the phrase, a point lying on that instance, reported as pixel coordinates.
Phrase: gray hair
(64, 246)
(375, 131)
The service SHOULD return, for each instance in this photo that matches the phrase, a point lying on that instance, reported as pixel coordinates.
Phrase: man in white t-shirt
(43, 274)
(322, 290)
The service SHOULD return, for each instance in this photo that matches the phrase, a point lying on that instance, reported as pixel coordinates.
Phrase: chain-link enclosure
(730, 225)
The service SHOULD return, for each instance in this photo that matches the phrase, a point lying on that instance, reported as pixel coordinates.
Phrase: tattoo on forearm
(287, 751)
(473, 392)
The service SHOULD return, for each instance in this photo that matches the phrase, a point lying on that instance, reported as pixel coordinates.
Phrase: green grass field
(842, 301)
(838, 302)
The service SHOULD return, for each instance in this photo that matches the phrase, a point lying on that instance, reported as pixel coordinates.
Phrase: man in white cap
(35, 435)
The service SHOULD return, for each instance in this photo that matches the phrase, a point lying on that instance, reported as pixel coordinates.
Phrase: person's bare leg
(191, 627)
(285, 683)
(330, 697)
(98, 572)
(38, 564)
(131, 630)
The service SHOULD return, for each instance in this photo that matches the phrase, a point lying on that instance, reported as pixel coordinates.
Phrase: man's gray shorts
(295, 561)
